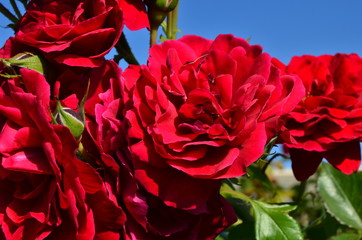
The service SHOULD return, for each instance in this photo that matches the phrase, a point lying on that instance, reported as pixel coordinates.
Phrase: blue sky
(285, 28)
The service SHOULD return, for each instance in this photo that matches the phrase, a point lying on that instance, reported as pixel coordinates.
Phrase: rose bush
(90, 152)
(203, 109)
(66, 31)
(46, 190)
(327, 123)
(148, 216)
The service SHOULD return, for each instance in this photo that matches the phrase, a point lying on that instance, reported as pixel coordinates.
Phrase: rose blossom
(46, 191)
(328, 122)
(148, 216)
(134, 14)
(73, 32)
(204, 108)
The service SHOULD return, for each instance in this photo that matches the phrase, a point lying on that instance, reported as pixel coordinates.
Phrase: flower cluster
(88, 151)
(327, 123)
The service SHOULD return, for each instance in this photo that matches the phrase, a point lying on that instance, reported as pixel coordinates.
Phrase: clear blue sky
(284, 28)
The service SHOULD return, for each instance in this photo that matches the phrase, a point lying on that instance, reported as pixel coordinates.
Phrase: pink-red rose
(46, 190)
(203, 108)
(73, 32)
(327, 123)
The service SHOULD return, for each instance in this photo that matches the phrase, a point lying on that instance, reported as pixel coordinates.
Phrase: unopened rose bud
(165, 5)
(69, 118)
(158, 10)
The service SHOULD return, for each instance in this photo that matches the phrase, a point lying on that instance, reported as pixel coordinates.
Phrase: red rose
(328, 122)
(134, 14)
(74, 81)
(73, 32)
(201, 107)
(148, 216)
(158, 221)
(46, 191)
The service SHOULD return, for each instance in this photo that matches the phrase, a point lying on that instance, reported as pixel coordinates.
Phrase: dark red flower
(203, 108)
(46, 190)
(327, 123)
(73, 32)
(176, 211)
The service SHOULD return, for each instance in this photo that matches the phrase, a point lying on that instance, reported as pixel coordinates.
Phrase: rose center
(204, 112)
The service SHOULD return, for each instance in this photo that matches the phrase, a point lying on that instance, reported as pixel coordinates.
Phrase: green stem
(153, 36)
(125, 52)
(265, 166)
(8, 66)
(174, 22)
(4, 11)
(301, 191)
(169, 29)
(16, 9)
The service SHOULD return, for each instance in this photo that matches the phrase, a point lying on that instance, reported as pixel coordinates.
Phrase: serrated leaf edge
(299, 237)
(329, 210)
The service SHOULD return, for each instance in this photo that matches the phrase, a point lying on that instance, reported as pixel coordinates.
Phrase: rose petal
(304, 163)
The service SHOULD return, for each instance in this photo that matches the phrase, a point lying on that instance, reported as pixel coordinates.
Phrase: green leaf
(27, 60)
(323, 227)
(346, 236)
(164, 26)
(342, 195)
(242, 209)
(227, 192)
(273, 222)
(242, 231)
(163, 38)
(219, 238)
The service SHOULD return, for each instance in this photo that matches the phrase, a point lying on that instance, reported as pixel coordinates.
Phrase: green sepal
(74, 120)
(9, 75)
(69, 118)
(25, 60)
(82, 103)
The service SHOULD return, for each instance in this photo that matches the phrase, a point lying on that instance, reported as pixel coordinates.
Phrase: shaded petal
(345, 156)
(304, 163)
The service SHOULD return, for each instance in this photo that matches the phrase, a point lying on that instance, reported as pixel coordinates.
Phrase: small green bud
(158, 10)
(165, 5)
(69, 118)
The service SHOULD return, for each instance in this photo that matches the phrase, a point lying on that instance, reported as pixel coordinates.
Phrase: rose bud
(165, 5)
(158, 10)
(69, 118)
